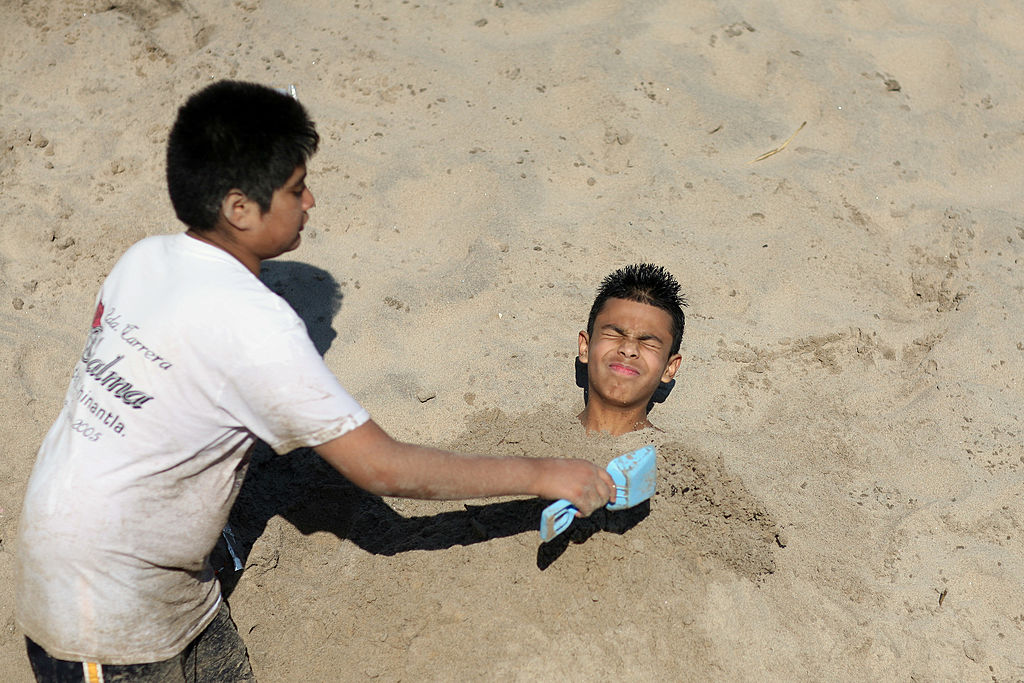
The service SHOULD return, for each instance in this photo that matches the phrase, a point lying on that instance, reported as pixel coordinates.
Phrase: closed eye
(648, 340)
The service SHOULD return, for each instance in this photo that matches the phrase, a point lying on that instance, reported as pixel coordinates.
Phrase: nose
(308, 201)
(628, 348)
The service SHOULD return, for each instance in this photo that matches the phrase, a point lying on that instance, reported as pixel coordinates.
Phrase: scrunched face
(628, 354)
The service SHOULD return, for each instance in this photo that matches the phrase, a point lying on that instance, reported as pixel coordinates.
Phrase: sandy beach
(836, 185)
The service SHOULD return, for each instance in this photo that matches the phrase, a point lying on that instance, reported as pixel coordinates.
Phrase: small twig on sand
(780, 147)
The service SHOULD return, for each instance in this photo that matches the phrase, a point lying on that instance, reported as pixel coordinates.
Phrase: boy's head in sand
(630, 349)
(236, 169)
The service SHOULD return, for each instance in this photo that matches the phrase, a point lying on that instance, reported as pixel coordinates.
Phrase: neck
(597, 417)
(218, 240)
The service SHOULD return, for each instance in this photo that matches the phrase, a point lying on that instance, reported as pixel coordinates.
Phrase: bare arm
(372, 460)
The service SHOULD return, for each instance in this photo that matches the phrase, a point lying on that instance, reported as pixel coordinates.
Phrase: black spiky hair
(648, 284)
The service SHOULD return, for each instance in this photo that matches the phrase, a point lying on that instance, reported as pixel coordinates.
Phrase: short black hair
(234, 135)
(648, 284)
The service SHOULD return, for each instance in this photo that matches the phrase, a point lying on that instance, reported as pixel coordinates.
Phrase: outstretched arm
(372, 460)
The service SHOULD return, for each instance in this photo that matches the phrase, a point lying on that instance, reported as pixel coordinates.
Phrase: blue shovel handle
(556, 518)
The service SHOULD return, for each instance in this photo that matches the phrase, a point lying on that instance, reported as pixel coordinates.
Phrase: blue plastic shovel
(634, 475)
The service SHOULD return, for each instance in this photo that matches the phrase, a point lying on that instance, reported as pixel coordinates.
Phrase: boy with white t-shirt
(190, 359)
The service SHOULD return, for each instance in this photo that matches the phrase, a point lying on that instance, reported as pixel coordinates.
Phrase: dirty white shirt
(190, 359)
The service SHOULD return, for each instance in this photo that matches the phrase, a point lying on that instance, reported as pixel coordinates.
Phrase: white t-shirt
(190, 359)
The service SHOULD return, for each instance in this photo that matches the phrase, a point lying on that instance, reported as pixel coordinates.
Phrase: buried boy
(629, 353)
(190, 359)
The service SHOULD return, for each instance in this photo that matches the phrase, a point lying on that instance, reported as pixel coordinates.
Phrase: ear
(671, 368)
(237, 209)
(584, 343)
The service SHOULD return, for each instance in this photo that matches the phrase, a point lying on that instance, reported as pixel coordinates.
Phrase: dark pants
(217, 655)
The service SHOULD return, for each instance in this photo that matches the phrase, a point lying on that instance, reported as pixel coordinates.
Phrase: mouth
(620, 369)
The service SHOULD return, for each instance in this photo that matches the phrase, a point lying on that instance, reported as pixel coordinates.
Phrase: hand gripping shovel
(634, 475)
